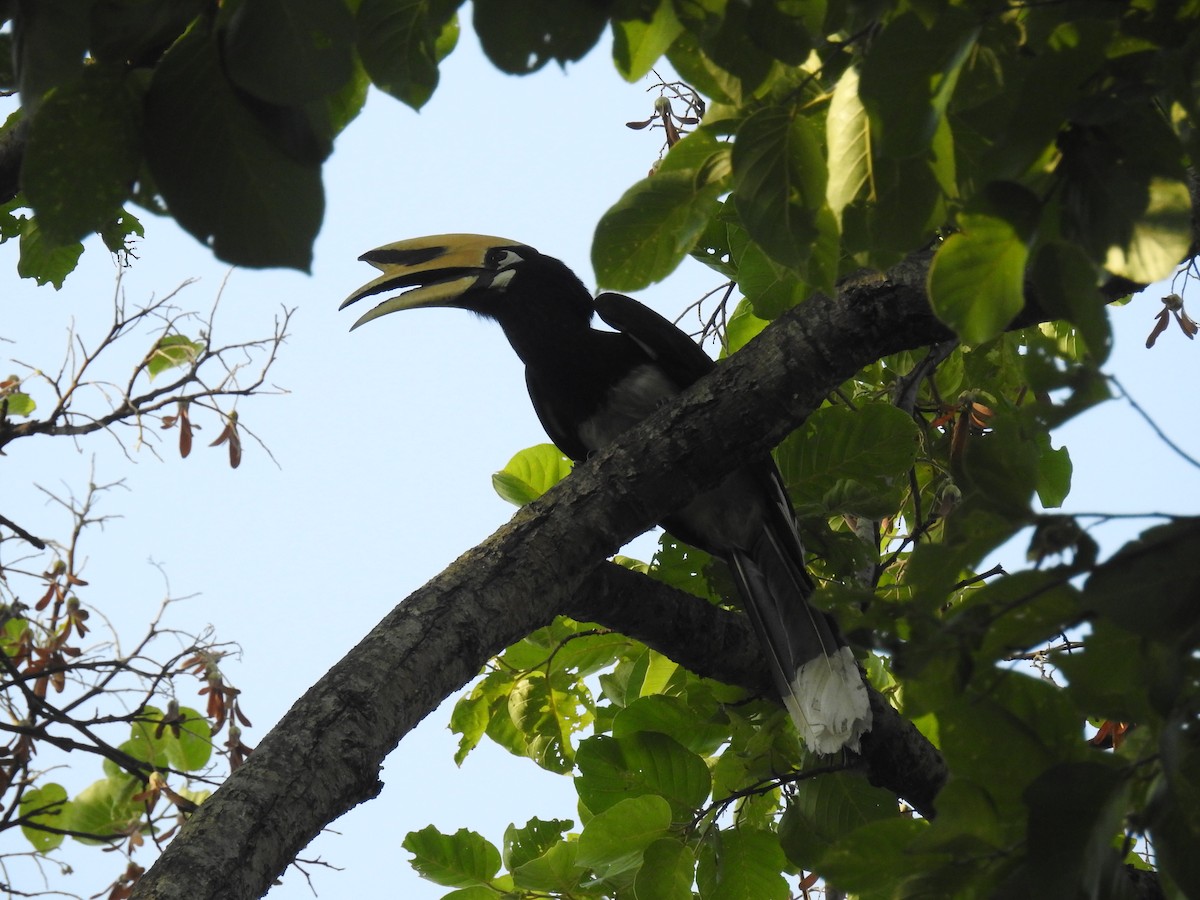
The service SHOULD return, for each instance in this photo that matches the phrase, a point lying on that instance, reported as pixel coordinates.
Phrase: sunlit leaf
(463, 859)
(976, 282)
(43, 805)
(638, 45)
(530, 473)
(172, 351)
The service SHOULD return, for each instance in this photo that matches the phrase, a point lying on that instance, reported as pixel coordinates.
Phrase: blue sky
(388, 436)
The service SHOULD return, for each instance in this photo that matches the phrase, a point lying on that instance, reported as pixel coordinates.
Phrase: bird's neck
(555, 339)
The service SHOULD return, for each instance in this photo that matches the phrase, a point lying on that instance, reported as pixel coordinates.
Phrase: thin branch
(1191, 460)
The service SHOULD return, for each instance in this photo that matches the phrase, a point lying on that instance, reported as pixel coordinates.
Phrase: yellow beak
(440, 269)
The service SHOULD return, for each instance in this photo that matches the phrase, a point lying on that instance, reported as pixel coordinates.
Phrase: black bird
(587, 387)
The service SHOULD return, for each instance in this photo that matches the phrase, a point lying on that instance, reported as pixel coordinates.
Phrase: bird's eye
(499, 258)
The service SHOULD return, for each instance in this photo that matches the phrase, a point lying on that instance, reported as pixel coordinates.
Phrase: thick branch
(324, 755)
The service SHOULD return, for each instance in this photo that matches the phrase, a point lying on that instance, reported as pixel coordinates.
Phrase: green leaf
(848, 134)
(1004, 734)
(668, 871)
(823, 810)
(638, 45)
(50, 51)
(839, 448)
(402, 42)
(522, 845)
(289, 52)
(461, 860)
(1075, 812)
(44, 805)
(13, 634)
(779, 181)
(977, 279)
(1159, 570)
(83, 154)
(547, 716)
(1054, 472)
(103, 809)
(18, 403)
(530, 473)
(44, 260)
(671, 716)
(745, 863)
(554, 872)
(1067, 287)
(521, 36)
(124, 31)
(613, 841)
(613, 769)
(172, 351)
(887, 844)
(469, 719)
(909, 77)
(223, 175)
(1116, 674)
(1160, 235)
(648, 232)
(771, 288)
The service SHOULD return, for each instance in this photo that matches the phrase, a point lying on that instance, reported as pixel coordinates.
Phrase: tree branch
(323, 757)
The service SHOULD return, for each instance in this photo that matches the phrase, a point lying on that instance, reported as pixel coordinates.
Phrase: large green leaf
(977, 279)
(613, 841)
(1076, 810)
(745, 863)
(779, 179)
(649, 231)
(402, 42)
(83, 154)
(845, 460)
(1003, 734)
(612, 769)
(910, 74)
(462, 860)
(848, 134)
(824, 809)
(223, 175)
(671, 716)
(289, 52)
(668, 871)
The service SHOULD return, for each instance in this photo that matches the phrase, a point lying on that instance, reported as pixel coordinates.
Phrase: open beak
(439, 270)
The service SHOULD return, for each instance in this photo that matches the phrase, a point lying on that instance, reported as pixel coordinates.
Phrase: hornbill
(588, 386)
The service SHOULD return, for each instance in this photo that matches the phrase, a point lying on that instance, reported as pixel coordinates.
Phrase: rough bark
(323, 757)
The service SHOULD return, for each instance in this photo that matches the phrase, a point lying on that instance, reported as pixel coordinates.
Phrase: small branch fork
(214, 373)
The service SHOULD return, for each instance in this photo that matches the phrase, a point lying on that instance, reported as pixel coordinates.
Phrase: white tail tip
(829, 703)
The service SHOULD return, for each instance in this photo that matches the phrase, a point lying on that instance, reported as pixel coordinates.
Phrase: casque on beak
(439, 269)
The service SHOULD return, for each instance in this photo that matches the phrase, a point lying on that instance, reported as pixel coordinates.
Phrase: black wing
(681, 358)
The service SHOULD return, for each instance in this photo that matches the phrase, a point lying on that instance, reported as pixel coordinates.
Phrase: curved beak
(439, 269)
